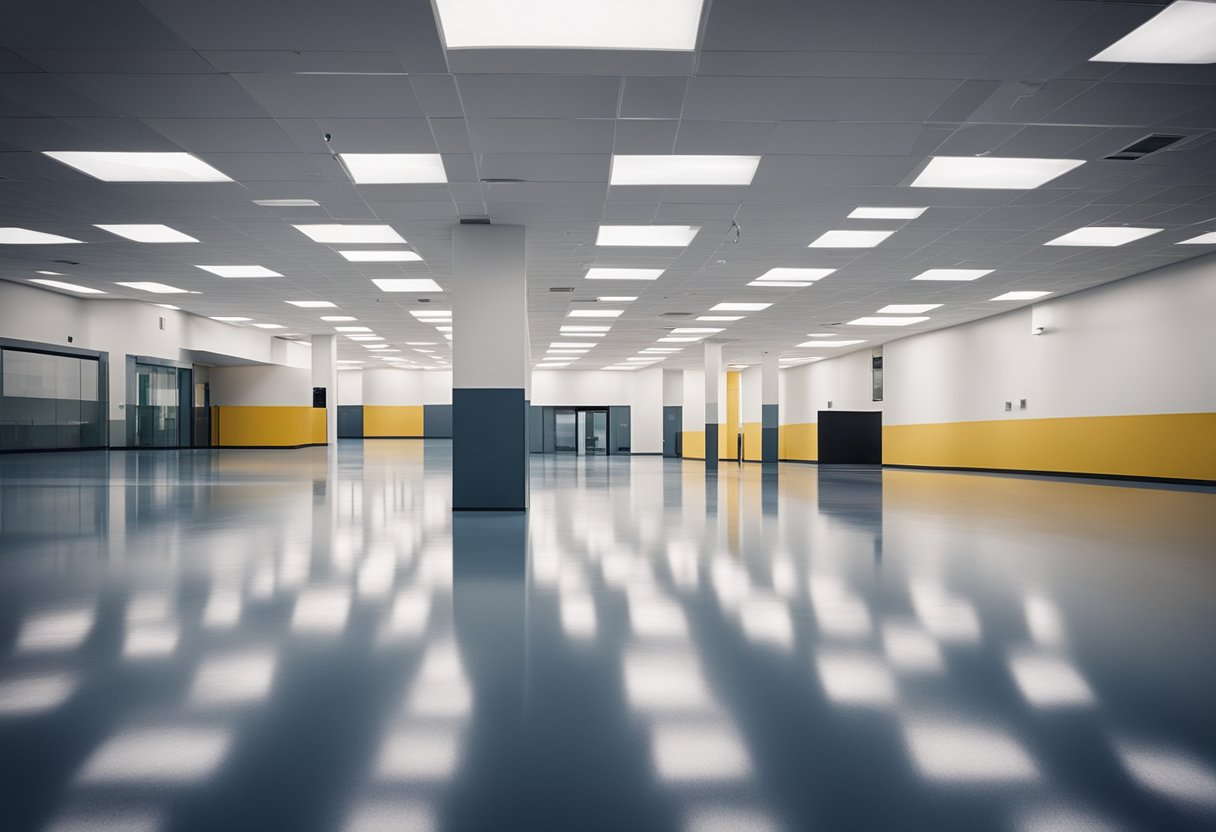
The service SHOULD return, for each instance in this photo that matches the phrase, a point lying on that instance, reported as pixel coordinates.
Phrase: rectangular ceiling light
(695, 330)
(1182, 33)
(908, 308)
(670, 26)
(662, 349)
(678, 339)
(25, 237)
(334, 318)
(1003, 173)
(778, 284)
(952, 274)
(586, 331)
(1094, 235)
(311, 304)
(598, 273)
(395, 168)
(357, 256)
(230, 319)
(617, 298)
(341, 233)
(156, 288)
(420, 343)
(148, 233)
(139, 167)
(352, 329)
(594, 313)
(886, 213)
(240, 271)
(288, 203)
(1208, 239)
(669, 236)
(795, 274)
(734, 306)
(719, 317)
(406, 284)
(889, 320)
(566, 344)
(850, 239)
(828, 344)
(431, 313)
(270, 326)
(67, 287)
(1022, 296)
(683, 170)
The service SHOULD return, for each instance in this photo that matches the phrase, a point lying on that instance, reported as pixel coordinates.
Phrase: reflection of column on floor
(489, 556)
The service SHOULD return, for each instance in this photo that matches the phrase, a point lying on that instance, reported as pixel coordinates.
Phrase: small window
(876, 376)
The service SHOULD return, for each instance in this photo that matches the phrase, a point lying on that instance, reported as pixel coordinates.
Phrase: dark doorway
(850, 437)
(673, 421)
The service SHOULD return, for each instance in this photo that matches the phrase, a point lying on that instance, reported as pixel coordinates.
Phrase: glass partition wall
(159, 407)
(51, 400)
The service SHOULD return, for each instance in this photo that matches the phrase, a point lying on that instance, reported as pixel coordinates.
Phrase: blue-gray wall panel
(769, 433)
(350, 421)
(437, 421)
(711, 446)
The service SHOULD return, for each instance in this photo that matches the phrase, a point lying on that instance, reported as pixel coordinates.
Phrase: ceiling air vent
(561, 288)
(501, 180)
(67, 262)
(1147, 145)
(675, 315)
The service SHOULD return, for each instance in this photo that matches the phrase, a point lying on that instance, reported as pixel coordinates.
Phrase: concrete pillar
(770, 393)
(673, 410)
(490, 368)
(713, 402)
(325, 374)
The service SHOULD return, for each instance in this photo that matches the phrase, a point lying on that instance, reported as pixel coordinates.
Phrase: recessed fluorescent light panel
(850, 239)
(1208, 239)
(395, 168)
(149, 233)
(662, 349)
(719, 317)
(335, 318)
(357, 256)
(733, 306)
(594, 313)
(889, 320)
(339, 233)
(156, 288)
(25, 237)
(270, 326)
(67, 287)
(908, 308)
(678, 339)
(695, 330)
(572, 344)
(230, 319)
(1182, 33)
(240, 271)
(795, 274)
(139, 167)
(828, 344)
(778, 284)
(1022, 296)
(1002, 173)
(886, 213)
(670, 26)
(683, 170)
(598, 273)
(668, 236)
(617, 299)
(1094, 235)
(287, 203)
(311, 304)
(352, 329)
(952, 274)
(406, 284)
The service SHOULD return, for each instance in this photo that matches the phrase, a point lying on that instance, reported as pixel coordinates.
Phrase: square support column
(490, 368)
(713, 402)
(325, 374)
(770, 392)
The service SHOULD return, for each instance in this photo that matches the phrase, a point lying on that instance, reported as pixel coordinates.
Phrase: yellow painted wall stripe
(392, 420)
(753, 440)
(286, 427)
(1174, 445)
(693, 444)
(799, 442)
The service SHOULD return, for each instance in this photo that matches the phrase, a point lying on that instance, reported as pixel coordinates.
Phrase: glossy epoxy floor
(267, 640)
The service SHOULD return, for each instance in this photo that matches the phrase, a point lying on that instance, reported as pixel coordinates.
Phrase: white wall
(844, 381)
(750, 389)
(350, 387)
(390, 386)
(646, 411)
(1144, 345)
(261, 386)
(694, 400)
(673, 388)
(582, 387)
(436, 387)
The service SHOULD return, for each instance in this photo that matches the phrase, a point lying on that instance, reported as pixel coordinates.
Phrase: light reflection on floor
(285, 640)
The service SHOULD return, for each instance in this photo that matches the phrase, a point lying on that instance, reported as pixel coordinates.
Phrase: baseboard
(1067, 474)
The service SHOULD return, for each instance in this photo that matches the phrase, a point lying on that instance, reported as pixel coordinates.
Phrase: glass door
(565, 439)
(157, 407)
(592, 432)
